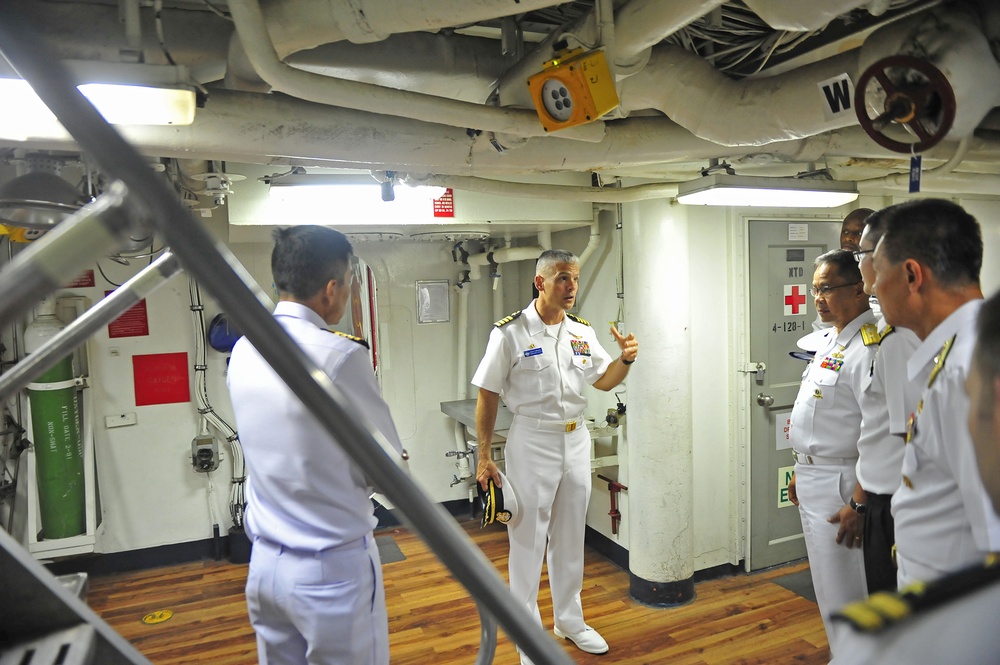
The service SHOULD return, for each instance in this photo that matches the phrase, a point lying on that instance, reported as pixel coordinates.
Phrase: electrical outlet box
(120, 420)
(204, 454)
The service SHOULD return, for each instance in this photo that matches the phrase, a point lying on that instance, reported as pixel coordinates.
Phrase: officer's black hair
(843, 260)
(940, 235)
(306, 258)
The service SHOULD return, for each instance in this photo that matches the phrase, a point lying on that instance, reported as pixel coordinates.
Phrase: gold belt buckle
(571, 425)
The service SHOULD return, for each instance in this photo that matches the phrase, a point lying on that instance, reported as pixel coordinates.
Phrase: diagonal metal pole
(80, 329)
(215, 267)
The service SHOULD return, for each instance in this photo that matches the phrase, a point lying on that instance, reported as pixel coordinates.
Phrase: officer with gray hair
(540, 359)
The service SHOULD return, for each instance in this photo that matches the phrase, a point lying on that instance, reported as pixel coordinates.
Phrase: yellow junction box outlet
(573, 90)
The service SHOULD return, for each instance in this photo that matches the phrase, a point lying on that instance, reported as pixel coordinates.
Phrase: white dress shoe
(588, 640)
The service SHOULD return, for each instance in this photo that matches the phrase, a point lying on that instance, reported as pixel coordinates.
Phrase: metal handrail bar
(77, 331)
(487, 636)
(214, 266)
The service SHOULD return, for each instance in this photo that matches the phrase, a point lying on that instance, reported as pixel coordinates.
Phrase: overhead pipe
(746, 112)
(500, 256)
(797, 16)
(254, 36)
(595, 236)
(296, 25)
(241, 127)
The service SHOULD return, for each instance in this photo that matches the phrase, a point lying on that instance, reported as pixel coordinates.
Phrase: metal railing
(82, 238)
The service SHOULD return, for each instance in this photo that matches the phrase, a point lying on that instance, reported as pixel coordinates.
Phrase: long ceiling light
(720, 189)
(124, 93)
(331, 199)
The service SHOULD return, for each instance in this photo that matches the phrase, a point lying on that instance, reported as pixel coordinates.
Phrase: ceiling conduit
(798, 16)
(254, 36)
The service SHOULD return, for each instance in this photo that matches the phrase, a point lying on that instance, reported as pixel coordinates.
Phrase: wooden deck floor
(742, 619)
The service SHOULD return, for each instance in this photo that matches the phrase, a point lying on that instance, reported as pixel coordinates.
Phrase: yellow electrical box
(573, 89)
(18, 234)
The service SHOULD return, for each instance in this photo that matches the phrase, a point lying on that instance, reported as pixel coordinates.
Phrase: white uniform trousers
(550, 473)
(838, 573)
(318, 607)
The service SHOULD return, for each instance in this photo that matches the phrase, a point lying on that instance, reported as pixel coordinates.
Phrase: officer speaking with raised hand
(540, 360)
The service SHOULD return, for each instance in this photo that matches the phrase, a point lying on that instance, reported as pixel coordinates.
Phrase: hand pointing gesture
(628, 345)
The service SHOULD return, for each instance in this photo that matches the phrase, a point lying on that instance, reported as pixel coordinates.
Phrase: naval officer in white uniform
(314, 589)
(825, 426)
(927, 279)
(953, 619)
(540, 359)
(887, 400)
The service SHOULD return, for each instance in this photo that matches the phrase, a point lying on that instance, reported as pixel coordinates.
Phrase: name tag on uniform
(832, 363)
(532, 352)
(580, 347)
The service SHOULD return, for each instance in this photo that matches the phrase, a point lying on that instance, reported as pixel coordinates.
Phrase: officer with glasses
(825, 426)
(887, 399)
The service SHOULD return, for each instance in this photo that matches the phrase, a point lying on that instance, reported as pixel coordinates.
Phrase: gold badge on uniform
(818, 394)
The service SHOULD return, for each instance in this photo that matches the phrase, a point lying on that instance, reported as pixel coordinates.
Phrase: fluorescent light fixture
(720, 189)
(124, 93)
(349, 203)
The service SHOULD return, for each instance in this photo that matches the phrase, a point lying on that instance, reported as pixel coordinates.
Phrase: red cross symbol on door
(795, 298)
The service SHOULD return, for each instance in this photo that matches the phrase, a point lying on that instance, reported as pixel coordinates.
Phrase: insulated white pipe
(748, 112)
(595, 237)
(256, 40)
(545, 239)
(500, 256)
(296, 25)
(461, 374)
(798, 16)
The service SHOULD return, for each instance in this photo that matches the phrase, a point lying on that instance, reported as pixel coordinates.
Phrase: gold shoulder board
(507, 319)
(353, 338)
(578, 319)
(939, 363)
(884, 609)
(885, 333)
(869, 334)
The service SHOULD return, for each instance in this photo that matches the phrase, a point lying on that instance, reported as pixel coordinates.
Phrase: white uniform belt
(357, 543)
(806, 458)
(562, 426)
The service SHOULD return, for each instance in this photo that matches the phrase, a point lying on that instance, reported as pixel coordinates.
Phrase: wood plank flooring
(739, 620)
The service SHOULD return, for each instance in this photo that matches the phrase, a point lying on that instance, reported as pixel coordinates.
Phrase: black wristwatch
(859, 508)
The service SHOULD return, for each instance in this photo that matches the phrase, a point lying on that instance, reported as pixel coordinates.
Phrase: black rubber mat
(388, 550)
(800, 582)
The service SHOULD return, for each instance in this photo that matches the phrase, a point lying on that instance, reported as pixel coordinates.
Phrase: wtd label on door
(784, 477)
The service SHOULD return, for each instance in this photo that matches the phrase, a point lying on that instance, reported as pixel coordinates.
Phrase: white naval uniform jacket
(538, 375)
(303, 491)
(887, 399)
(943, 517)
(826, 416)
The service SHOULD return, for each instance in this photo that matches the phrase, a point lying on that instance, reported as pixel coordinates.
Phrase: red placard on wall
(133, 322)
(161, 378)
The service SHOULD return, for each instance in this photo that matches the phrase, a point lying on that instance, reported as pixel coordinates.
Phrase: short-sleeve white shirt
(943, 517)
(826, 416)
(540, 374)
(887, 399)
(303, 491)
